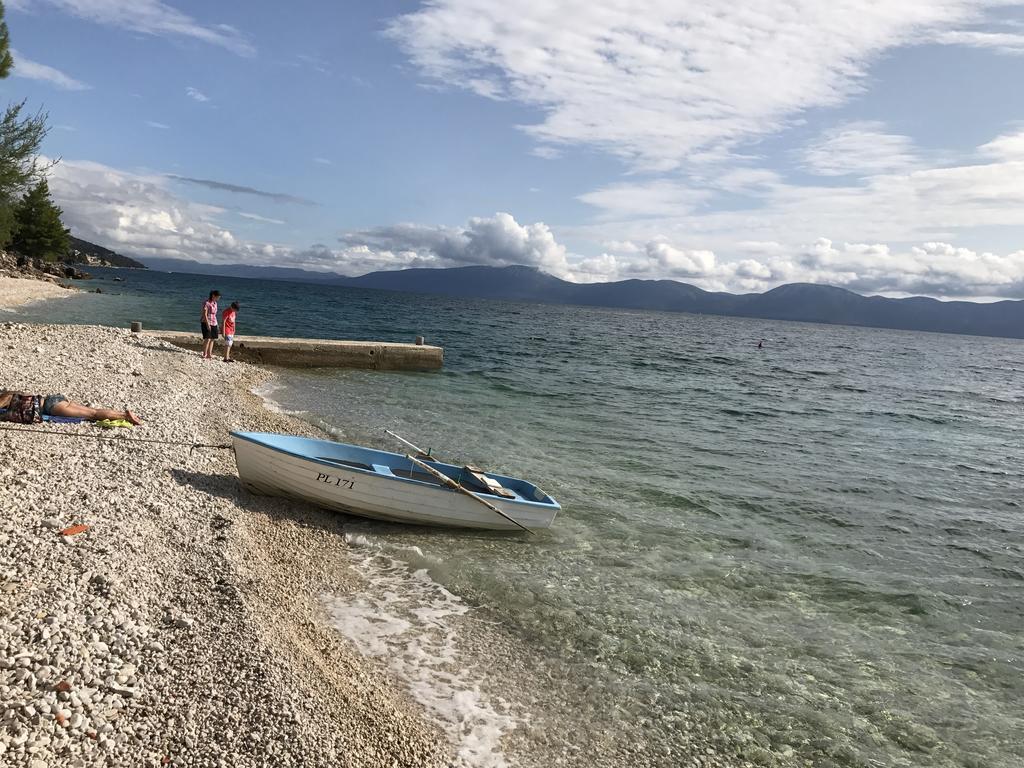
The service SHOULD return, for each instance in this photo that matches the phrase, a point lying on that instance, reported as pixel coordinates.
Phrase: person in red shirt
(228, 323)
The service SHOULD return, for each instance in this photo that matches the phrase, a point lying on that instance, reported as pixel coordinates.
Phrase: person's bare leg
(78, 411)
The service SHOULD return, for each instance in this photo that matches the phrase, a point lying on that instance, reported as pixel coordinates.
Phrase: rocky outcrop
(16, 265)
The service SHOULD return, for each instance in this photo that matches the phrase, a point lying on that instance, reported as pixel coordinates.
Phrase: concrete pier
(318, 353)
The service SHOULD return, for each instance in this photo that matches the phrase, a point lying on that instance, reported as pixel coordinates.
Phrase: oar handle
(403, 440)
(456, 487)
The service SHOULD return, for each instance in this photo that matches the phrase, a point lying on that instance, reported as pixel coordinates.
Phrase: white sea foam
(413, 622)
(266, 391)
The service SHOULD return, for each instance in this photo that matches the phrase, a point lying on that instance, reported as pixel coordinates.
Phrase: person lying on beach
(28, 408)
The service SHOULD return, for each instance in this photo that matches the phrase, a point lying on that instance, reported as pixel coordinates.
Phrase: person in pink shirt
(208, 323)
(229, 330)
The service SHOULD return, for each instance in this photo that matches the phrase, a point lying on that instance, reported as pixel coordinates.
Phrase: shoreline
(185, 627)
(18, 291)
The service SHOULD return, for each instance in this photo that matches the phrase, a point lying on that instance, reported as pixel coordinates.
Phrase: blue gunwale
(366, 456)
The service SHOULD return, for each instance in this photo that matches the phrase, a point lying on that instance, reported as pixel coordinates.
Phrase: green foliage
(6, 62)
(20, 138)
(40, 232)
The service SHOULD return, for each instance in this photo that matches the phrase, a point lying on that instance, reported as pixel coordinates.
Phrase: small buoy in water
(419, 341)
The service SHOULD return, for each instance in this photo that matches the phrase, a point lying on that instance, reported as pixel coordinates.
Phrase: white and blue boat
(387, 486)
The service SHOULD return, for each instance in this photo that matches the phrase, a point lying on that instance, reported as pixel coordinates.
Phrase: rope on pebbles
(191, 446)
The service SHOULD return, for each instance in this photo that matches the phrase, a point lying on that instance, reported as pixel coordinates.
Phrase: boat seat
(485, 483)
(383, 469)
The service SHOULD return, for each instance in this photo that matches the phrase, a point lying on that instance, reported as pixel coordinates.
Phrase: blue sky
(735, 146)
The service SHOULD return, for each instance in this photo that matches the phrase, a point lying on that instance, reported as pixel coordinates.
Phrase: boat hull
(272, 469)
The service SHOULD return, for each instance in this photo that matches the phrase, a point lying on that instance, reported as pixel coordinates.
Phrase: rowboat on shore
(388, 486)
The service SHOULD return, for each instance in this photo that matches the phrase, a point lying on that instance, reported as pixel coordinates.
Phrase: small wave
(1006, 573)
(411, 622)
(983, 470)
(970, 550)
(913, 416)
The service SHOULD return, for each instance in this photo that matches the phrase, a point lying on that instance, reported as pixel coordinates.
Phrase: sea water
(806, 554)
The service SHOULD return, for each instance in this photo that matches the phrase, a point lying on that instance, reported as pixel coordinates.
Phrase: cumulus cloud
(136, 213)
(224, 186)
(621, 246)
(141, 215)
(663, 82)
(498, 240)
(196, 94)
(150, 17)
(33, 70)
(930, 269)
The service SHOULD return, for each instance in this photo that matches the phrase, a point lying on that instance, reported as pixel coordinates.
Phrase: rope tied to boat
(49, 433)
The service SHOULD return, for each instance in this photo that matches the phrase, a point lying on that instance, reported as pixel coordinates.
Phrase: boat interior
(467, 478)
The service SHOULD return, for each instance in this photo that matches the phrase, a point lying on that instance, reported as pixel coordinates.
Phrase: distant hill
(84, 252)
(797, 301)
(242, 270)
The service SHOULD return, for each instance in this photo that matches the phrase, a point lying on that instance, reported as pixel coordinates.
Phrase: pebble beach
(182, 625)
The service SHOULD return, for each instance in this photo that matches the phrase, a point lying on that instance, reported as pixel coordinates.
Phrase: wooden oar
(401, 439)
(456, 487)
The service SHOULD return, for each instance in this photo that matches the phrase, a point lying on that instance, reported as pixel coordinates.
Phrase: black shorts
(209, 331)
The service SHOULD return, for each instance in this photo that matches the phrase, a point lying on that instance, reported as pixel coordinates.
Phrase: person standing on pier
(229, 329)
(209, 324)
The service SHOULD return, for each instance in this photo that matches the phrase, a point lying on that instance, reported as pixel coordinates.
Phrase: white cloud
(936, 269)
(150, 17)
(140, 215)
(155, 124)
(33, 70)
(136, 214)
(496, 241)
(257, 217)
(195, 93)
(859, 148)
(933, 269)
(322, 161)
(1010, 43)
(1009, 146)
(621, 246)
(908, 205)
(663, 82)
(653, 198)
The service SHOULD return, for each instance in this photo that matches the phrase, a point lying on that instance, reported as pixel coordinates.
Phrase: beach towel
(63, 419)
(112, 423)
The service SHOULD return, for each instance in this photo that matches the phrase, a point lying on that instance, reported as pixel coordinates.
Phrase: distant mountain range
(798, 301)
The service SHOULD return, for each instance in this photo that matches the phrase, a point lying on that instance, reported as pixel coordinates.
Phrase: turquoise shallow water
(810, 554)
